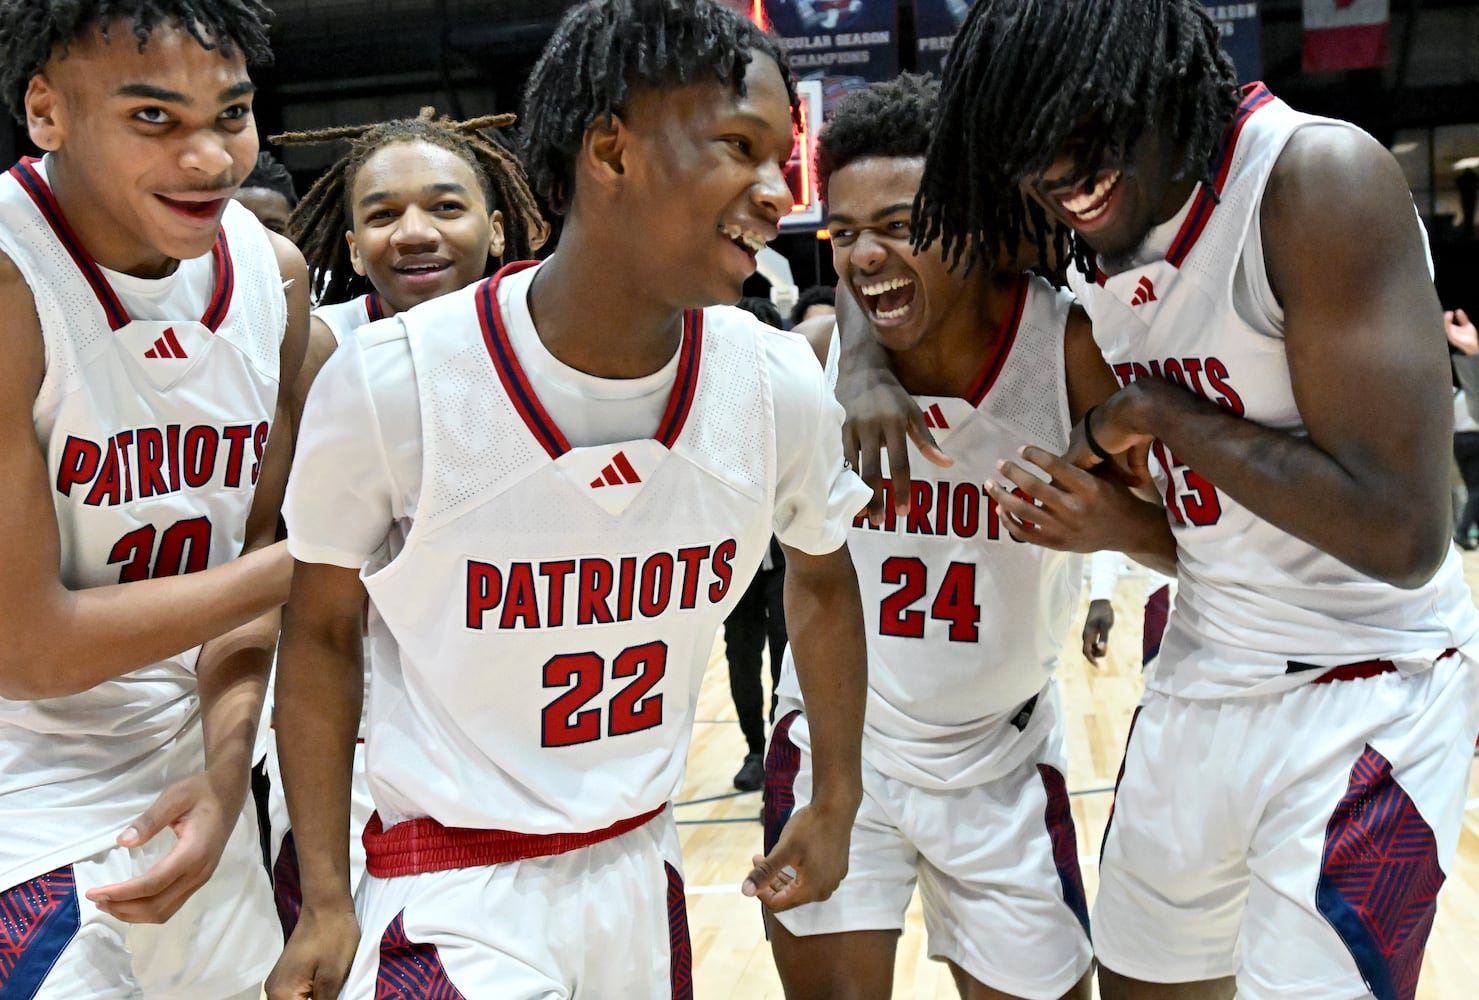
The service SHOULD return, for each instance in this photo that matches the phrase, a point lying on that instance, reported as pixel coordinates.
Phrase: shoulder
(290, 263)
(818, 333)
(27, 358)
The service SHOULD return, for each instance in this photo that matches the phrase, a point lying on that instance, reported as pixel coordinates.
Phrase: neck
(947, 360)
(597, 310)
(108, 244)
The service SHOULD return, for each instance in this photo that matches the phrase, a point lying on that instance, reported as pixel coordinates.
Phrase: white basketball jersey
(964, 623)
(343, 318)
(1256, 606)
(153, 431)
(554, 607)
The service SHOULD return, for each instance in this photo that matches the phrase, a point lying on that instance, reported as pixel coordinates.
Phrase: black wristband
(1094, 446)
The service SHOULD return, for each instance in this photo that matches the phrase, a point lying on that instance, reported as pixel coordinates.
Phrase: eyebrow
(149, 92)
(883, 213)
(445, 187)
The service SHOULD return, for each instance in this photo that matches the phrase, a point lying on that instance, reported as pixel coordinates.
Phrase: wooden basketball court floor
(720, 829)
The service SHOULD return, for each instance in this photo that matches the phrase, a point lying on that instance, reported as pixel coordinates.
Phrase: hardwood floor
(721, 831)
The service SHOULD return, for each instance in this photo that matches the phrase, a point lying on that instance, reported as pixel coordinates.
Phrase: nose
(414, 229)
(868, 252)
(206, 153)
(771, 193)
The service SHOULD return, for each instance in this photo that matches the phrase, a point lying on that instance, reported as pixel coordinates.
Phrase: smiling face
(702, 189)
(906, 295)
(421, 223)
(1115, 208)
(150, 144)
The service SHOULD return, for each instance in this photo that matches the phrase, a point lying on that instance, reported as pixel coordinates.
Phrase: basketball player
(963, 756)
(269, 194)
(143, 439)
(1294, 782)
(586, 466)
(415, 208)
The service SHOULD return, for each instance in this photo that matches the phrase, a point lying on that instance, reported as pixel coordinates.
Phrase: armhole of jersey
(834, 359)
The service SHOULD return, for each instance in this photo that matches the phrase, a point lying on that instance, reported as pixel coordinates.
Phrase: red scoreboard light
(806, 201)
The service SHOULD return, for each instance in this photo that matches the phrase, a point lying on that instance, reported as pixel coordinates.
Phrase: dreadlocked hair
(32, 31)
(883, 119)
(1023, 78)
(604, 49)
(324, 215)
(269, 173)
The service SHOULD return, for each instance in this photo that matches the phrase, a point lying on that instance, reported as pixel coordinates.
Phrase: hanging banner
(936, 22)
(1345, 34)
(846, 44)
(1240, 25)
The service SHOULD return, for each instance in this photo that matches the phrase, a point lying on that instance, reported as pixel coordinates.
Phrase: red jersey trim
(685, 385)
(220, 305)
(1255, 96)
(374, 308)
(1005, 338)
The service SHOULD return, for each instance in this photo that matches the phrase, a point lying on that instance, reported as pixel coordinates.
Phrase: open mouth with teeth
(890, 299)
(746, 241)
(420, 269)
(1086, 206)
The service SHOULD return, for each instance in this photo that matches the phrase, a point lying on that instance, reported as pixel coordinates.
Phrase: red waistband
(424, 845)
(1356, 671)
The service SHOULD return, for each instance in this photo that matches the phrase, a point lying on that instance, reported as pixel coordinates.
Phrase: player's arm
(1077, 510)
(1368, 365)
(60, 641)
(881, 415)
(321, 346)
(232, 670)
(818, 332)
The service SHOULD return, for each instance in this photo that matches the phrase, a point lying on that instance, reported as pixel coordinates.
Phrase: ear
(495, 236)
(45, 113)
(354, 257)
(603, 152)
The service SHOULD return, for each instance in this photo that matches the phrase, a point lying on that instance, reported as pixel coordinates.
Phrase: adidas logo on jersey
(167, 345)
(618, 473)
(934, 418)
(1144, 293)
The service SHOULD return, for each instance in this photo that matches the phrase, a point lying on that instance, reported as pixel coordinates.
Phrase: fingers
(154, 896)
(896, 440)
(924, 440)
(774, 884)
(870, 467)
(1093, 642)
(1461, 317)
(172, 803)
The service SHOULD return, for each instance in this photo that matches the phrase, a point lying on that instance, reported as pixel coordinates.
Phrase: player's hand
(1461, 331)
(317, 958)
(201, 817)
(807, 863)
(881, 417)
(1075, 511)
(1113, 427)
(1097, 624)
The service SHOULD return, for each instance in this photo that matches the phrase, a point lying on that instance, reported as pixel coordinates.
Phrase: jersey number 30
(955, 601)
(184, 547)
(567, 721)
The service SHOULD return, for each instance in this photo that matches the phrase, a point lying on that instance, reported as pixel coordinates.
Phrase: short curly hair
(603, 49)
(32, 31)
(894, 118)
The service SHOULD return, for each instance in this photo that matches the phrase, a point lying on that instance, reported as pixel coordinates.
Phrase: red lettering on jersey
(149, 462)
(1155, 368)
(626, 591)
(107, 487)
(942, 509)
(993, 519)
(692, 559)
(1193, 368)
(555, 574)
(723, 569)
(596, 578)
(201, 445)
(965, 510)
(657, 585)
(520, 604)
(172, 455)
(78, 464)
(1174, 372)
(919, 509)
(484, 591)
(1217, 374)
(1124, 373)
(236, 438)
(259, 445)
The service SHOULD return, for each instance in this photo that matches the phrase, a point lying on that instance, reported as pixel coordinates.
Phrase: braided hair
(1024, 77)
(32, 31)
(324, 215)
(603, 49)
